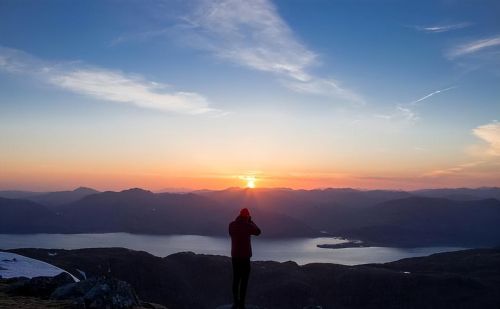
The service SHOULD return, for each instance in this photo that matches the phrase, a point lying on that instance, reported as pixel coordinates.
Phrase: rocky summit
(62, 292)
(462, 279)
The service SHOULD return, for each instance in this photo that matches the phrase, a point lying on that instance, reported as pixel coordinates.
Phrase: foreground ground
(464, 279)
(23, 302)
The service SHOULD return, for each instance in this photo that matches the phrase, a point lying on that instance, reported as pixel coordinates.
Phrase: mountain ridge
(393, 218)
(462, 279)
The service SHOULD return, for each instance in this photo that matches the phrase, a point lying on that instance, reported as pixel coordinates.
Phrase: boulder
(97, 293)
(41, 287)
(73, 290)
(14, 283)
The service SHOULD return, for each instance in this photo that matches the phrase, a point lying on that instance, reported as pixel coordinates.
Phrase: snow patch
(15, 265)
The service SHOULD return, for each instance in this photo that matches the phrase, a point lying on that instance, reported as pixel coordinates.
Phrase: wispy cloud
(104, 84)
(442, 27)
(400, 113)
(483, 158)
(118, 87)
(252, 34)
(138, 36)
(458, 169)
(490, 134)
(473, 47)
(326, 87)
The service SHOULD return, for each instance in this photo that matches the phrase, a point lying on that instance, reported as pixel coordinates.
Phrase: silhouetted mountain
(22, 216)
(52, 199)
(17, 194)
(420, 221)
(330, 210)
(292, 201)
(464, 279)
(377, 217)
(461, 194)
(141, 211)
(381, 217)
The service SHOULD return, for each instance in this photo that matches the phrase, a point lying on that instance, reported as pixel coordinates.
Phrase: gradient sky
(205, 94)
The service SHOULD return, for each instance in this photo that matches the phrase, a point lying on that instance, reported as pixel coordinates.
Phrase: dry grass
(23, 302)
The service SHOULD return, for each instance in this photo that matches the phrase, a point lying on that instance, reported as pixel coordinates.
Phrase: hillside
(378, 217)
(465, 279)
(22, 216)
(428, 221)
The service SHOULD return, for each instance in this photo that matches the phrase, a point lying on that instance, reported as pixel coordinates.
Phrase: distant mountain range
(462, 279)
(50, 199)
(465, 217)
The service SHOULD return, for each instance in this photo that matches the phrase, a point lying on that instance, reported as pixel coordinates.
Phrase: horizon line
(190, 190)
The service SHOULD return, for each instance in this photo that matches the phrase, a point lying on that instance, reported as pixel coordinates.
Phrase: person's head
(245, 213)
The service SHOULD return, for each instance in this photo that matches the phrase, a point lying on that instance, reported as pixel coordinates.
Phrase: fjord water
(299, 250)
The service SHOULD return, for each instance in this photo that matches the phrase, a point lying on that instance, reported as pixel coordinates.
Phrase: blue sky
(389, 94)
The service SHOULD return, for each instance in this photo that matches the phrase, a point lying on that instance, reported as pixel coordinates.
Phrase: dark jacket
(240, 230)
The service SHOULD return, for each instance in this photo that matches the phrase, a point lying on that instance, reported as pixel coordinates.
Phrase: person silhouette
(240, 231)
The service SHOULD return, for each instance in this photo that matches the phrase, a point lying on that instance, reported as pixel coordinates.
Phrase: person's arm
(254, 229)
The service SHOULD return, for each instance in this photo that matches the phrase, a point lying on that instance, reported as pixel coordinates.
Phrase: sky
(214, 94)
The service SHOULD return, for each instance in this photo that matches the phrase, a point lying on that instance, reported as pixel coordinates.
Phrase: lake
(300, 250)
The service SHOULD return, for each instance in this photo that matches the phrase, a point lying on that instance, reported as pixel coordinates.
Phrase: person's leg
(236, 281)
(245, 274)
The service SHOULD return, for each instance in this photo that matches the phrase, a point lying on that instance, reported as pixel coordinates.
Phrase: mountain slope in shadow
(463, 279)
(400, 219)
(423, 221)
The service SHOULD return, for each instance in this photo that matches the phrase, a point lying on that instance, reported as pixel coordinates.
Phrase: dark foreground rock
(462, 279)
(40, 287)
(99, 293)
(9, 301)
(63, 292)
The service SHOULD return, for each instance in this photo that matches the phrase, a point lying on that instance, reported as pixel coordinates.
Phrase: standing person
(241, 250)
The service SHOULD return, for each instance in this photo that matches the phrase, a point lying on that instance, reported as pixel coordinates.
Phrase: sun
(250, 182)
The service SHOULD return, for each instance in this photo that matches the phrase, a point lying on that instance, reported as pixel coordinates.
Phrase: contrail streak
(430, 95)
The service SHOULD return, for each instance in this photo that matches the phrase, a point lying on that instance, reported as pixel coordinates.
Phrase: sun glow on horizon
(250, 181)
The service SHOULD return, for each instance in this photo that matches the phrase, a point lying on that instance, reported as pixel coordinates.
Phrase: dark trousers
(241, 272)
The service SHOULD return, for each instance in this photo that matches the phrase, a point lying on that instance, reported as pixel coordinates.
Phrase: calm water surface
(300, 250)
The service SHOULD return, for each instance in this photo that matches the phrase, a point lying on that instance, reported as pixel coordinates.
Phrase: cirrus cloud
(104, 84)
(473, 47)
(443, 27)
(252, 34)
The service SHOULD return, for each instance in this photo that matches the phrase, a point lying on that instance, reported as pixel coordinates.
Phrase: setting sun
(250, 182)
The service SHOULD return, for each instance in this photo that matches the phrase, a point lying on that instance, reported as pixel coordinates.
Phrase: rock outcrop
(462, 279)
(96, 293)
(41, 287)
(62, 290)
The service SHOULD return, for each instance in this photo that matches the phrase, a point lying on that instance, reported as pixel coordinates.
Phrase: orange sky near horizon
(44, 178)
(59, 160)
(120, 157)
